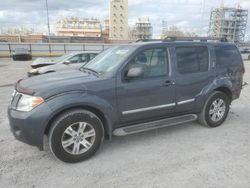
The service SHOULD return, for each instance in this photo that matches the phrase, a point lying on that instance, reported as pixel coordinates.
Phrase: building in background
(18, 31)
(74, 26)
(31, 38)
(105, 28)
(142, 29)
(164, 27)
(118, 19)
(228, 22)
(22, 34)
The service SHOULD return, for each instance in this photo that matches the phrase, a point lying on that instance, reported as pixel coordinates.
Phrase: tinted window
(192, 59)
(74, 59)
(84, 58)
(226, 56)
(154, 62)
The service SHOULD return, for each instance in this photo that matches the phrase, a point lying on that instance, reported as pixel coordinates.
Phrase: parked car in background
(72, 57)
(21, 54)
(124, 90)
(245, 53)
(71, 61)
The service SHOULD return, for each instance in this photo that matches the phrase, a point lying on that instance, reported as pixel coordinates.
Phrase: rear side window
(192, 59)
(227, 56)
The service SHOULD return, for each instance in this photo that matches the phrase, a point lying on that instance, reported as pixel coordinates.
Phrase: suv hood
(51, 84)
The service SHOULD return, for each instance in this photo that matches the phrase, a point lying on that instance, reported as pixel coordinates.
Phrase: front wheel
(76, 135)
(215, 110)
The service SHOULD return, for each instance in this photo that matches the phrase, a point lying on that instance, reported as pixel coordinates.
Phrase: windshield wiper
(88, 69)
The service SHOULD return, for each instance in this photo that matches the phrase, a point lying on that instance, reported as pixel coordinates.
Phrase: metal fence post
(64, 47)
(30, 49)
(9, 50)
(49, 50)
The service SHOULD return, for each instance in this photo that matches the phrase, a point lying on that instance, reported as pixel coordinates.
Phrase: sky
(188, 15)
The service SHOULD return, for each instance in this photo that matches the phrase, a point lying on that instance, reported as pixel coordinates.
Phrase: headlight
(33, 71)
(27, 103)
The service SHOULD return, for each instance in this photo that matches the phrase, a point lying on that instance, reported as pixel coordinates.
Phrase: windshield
(110, 59)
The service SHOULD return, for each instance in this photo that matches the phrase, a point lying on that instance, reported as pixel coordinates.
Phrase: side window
(74, 59)
(153, 61)
(192, 59)
(92, 56)
(226, 56)
(84, 58)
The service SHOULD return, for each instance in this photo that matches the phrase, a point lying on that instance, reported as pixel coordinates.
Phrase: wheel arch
(96, 111)
(225, 90)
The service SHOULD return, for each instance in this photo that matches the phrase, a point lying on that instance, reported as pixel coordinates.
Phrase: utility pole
(48, 19)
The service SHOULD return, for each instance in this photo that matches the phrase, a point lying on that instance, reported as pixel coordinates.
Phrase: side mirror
(66, 62)
(135, 72)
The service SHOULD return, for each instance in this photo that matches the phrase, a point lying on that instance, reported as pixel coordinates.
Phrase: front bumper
(29, 127)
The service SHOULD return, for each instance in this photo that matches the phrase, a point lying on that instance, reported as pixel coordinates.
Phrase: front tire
(76, 135)
(215, 110)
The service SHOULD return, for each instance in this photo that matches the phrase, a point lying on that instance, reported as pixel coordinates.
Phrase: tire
(211, 118)
(71, 127)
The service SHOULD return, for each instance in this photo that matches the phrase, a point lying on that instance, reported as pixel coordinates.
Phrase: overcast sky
(187, 14)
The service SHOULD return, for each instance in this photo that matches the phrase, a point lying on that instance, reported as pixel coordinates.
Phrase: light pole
(48, 19)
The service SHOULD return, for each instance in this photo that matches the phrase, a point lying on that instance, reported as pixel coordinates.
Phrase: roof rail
(147, 40)
(201, 39)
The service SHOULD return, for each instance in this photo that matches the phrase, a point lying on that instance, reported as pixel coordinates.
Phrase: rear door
(152, 95)
(192, 75)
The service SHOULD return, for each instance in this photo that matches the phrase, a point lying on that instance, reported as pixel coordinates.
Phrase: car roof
(84, 52)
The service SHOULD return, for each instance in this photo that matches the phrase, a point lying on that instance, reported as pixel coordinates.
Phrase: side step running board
(154, 125)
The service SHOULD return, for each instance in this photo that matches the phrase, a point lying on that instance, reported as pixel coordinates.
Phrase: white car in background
(245, 53)
(70, 61)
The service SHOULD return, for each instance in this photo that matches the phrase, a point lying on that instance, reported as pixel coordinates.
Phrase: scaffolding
(229, 23)
(142, 29)
(164, 27)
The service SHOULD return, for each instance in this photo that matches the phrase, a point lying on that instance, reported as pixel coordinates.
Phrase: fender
(76, 99)
(219, 82)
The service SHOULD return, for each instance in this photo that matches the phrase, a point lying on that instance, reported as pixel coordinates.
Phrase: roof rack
(200, 39)
(148, 40)
(194, 39)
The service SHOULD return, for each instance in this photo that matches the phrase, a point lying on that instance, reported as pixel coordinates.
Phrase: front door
(151, 95)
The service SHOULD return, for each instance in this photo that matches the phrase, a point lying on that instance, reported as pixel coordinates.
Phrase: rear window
(227, 56)
(192, 59)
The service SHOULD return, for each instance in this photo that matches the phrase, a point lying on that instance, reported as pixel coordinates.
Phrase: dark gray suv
(127, 89)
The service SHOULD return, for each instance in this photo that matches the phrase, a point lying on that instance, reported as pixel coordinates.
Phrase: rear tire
(215, 110)
(76, 135)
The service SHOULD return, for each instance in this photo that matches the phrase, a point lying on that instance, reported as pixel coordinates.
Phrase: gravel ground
(187, 155)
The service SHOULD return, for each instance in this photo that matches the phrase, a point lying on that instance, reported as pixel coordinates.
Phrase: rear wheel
(76, 135)
(215, 110)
